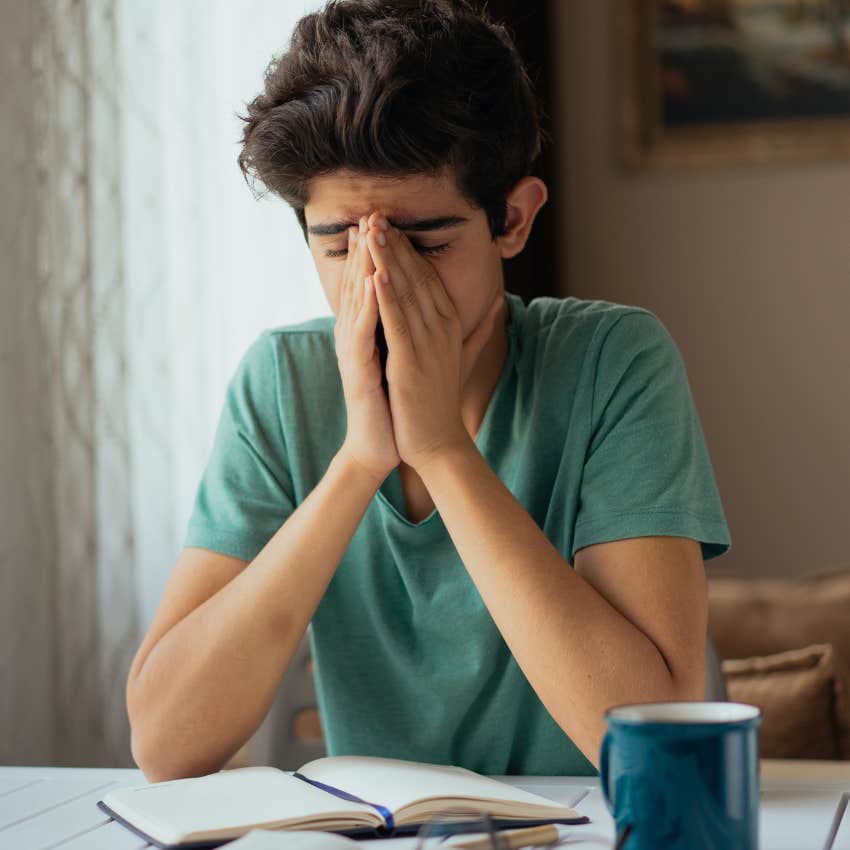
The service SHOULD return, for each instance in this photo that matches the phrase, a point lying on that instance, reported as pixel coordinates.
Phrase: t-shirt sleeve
(245, 492)
(647, 470)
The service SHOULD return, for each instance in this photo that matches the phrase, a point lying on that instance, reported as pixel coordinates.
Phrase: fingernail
(362, 225)
(381, 239)
(383, 223)
(384, 275)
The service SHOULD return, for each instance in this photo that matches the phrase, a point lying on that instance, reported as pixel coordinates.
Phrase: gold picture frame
(649, 139)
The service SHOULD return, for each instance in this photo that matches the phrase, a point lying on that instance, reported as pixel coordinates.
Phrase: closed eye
(423, 249)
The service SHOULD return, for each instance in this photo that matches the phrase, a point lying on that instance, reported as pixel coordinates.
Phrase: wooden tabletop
(54, 807)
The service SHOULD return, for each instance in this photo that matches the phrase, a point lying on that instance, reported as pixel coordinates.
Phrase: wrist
(354, 469)
(450, 455)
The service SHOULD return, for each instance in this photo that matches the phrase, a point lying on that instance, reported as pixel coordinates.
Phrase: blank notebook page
(394, 784)
(222, 800)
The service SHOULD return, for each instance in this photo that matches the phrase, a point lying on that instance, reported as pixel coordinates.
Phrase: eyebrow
(418, 225)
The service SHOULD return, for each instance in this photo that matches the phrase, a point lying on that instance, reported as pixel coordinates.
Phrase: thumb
(474, 344)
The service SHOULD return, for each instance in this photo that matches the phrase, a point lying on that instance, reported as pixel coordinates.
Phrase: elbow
(147, 751)
(157, 767)
(689, 684)
(146, 744)
(686, 678)
(153, 772)
(162, 747)
(163, 755)
(130, 701)
(688, 691)
(141, 748)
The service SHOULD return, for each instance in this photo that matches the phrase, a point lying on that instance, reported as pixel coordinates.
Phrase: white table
(47, 807)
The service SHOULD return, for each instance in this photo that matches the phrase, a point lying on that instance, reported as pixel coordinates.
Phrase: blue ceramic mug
(683, 775)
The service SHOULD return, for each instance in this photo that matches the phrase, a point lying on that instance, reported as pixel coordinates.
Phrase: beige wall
(749, 268)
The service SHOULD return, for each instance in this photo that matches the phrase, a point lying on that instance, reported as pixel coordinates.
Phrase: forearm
(207, 684)
(577, 651)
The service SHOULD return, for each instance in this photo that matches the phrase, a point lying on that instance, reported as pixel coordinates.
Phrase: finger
(347, 277)
(355, 272)
(344, 298)
(369, 314)
(365, 266)
(396, 329)
(367, 321)
(412, 264)
(412, 292)
(374, 220)
(417, 271)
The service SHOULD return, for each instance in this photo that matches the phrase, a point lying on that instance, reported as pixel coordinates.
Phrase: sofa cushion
(749, 617)
(803, 697)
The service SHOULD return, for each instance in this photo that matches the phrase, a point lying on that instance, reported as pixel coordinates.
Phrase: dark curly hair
(395, 87)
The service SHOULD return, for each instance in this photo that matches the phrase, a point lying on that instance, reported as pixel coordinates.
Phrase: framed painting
(723, 81)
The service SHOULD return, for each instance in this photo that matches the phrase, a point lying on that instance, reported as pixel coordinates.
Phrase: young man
(508, 544)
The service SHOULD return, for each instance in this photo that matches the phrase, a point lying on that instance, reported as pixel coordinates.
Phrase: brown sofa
(785, 645)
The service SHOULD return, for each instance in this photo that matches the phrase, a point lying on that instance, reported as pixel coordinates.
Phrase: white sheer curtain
(207, 266)
(155, 270)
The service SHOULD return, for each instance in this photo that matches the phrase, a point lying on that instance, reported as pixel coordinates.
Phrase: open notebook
(354, 795)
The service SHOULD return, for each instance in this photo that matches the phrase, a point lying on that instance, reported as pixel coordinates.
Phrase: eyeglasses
(465, 830)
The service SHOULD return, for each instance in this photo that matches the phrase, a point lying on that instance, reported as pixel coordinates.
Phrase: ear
(523, 202)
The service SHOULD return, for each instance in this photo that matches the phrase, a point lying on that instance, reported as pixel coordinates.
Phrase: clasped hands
(428, 360)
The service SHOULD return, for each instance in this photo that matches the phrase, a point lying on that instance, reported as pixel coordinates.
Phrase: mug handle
(604, 757)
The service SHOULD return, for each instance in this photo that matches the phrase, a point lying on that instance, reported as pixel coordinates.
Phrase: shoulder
(594, 327)
(282, 360)
(313, 333)
(293, 343)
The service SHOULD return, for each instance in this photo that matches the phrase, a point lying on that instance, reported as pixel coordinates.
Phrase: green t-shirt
(593, 429)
